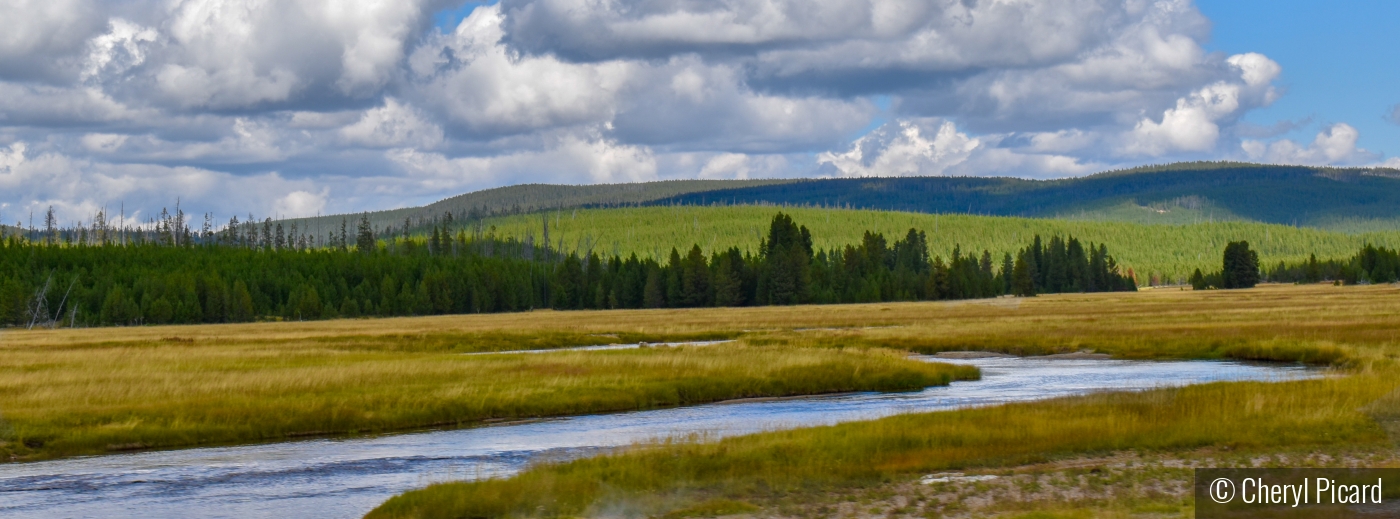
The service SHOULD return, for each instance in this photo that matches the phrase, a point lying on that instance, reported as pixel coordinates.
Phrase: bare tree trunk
(41, 299)
(59, 315)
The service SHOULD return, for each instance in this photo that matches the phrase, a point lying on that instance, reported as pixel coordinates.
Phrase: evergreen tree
(786, 263)
(695, 279)
(674, 287)
(654, 292)
(1007, 267)
(729, 274)
(1023, 275)
(364, 235)
(1198, 280)
(1241, 266)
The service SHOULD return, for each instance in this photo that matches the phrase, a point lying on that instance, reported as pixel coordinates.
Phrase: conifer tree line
(1240, 268)
(467, 269)
(1369, 265)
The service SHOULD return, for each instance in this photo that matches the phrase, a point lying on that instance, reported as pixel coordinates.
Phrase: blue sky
(299, 107)
(1341, 61)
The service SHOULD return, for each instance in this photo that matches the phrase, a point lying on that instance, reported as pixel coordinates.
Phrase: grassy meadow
(1168, 250)
(1351, 417)
(74, 392)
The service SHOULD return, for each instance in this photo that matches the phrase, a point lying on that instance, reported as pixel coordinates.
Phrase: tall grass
(95, 398)
(656, 479)
(1354, 328)
(1170, 251)
(71, 391)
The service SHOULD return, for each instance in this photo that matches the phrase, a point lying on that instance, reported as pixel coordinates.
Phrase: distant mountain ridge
(529, 198)
(1173, 193)
(1291, 195)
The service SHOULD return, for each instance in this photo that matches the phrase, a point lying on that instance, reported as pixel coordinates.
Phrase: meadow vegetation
(797, 473)
(71, 393)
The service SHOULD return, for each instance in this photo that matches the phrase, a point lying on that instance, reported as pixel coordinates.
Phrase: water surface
(346, 478)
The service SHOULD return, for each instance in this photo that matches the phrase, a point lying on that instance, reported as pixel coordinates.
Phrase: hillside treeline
(1370, 265)
(169, 281)
(1289, 195)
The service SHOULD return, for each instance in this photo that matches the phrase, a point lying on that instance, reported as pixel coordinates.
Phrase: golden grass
(1355, 328)
(129, 394)
(657, 479)
(73, 391)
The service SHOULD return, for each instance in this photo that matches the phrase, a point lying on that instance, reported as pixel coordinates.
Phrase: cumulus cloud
(300, 203)
(122, 48)
(933, 147)
(40, 39)
(300, 106)
(1335, 146)
(393, 125)
(1193, 125)
(482, 87)
(78, 187)
(567, 159)
(904, 149)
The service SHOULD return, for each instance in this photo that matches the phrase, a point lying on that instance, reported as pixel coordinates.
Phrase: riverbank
(83, 391)
(1351, 328)
(101, 398)
(806, 469)
(339, 478)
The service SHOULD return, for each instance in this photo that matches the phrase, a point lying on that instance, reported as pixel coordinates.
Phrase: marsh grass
(69, 401)
(1354, 329)
(72, 391)
(1245, 416)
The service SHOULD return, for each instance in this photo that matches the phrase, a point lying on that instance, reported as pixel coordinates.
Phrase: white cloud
(242, 53)
(490, 91)
(103, 142)
(365, 105)
(44, 105)
(300, 203)
(726, 165)
(903, 149)
(1256, 69)
(12, 157)
(1193, 125)
(120, 49)
(78, 187)
(1335, 145)
(242, 141)
(393, 125)
(40, 38)
(567, 159)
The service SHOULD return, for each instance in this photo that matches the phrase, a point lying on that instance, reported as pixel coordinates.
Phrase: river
(345, 478)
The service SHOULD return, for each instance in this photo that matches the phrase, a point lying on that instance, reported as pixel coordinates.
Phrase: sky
(289, 108)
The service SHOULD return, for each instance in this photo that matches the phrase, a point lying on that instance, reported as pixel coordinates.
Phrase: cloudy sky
(294, 107)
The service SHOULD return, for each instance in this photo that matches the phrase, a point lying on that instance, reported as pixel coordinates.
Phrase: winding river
(345, 478)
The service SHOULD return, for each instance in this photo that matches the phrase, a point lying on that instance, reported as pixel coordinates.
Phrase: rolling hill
(530, 198)
(1351, 200)
(1339, 199)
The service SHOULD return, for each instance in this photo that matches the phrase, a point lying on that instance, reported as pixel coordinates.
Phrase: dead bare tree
(59, 315)
(41, 302)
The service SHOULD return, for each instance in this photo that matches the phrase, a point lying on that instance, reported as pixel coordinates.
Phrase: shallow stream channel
(345, 478)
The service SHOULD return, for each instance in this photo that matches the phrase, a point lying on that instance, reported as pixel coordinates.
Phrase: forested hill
(1292, 195)
(529, 198)
(1351, 200)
